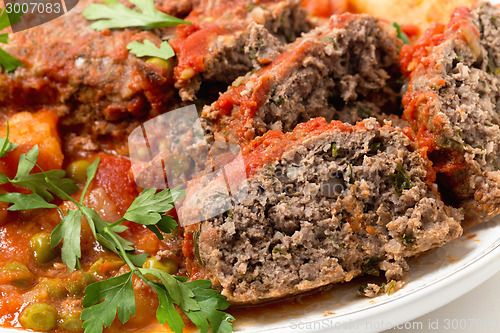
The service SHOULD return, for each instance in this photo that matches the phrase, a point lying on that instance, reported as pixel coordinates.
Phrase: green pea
(71, 322)
(39, 317)
(78, 281)
(77, 171)
(103, 267)
(17, 274)
(54, 287)
(40, 246)
(165, 265)
(168, 64)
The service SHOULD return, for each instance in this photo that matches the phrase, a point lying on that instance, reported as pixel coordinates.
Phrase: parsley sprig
(7, 61)
(147, 48)
(106, 299)
(112, 14)
(401, 33)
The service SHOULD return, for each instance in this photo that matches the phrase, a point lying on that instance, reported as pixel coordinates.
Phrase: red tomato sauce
(41, 279)
(417, 60)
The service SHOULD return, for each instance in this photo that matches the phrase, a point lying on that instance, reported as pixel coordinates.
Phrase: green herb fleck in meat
(408, 240)
(329, 40)
(278, 101)
(364, 111)
(370, 266)
(492, 67)
(335, 151)
(390, 287)
(279, 250)
(375, 147)
(450, 144)
(196, 238)
(400, 180)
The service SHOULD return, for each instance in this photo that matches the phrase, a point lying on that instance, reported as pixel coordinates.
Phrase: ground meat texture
(326, 203)
(345, 70)
(89, 77)
(452, 106)
(177, 8)
(212, 48)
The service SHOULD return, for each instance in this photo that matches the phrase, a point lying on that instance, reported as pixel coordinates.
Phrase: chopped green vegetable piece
(252, 7)
(390, 287)
(492, 67)
(374, 147)
(400, 180)
(112, 14)
(370, 266)
(335, 152)
(408, 240)
(363, 111)
(278, 101)
(148, 49)
(329, 40)
(450, 144)
(196, 237)
(239, 80)
(277, 249)
(401, 34)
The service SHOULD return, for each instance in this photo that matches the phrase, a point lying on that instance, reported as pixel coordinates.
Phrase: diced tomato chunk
(114, 176)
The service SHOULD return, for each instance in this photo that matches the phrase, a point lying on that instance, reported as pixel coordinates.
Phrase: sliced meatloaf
(453, 102)
(89, 77)
(345, 70)
(325, 203)
(212, 48)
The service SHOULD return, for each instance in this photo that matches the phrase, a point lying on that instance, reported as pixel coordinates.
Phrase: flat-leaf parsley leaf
(113, 14)
(147, 48)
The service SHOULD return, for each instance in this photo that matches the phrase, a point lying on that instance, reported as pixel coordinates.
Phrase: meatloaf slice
(325, 203)
(453, 105)
(90, 77)
(212, 48)
(345, 70)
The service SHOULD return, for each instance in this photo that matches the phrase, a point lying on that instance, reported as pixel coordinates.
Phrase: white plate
(435, 279)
